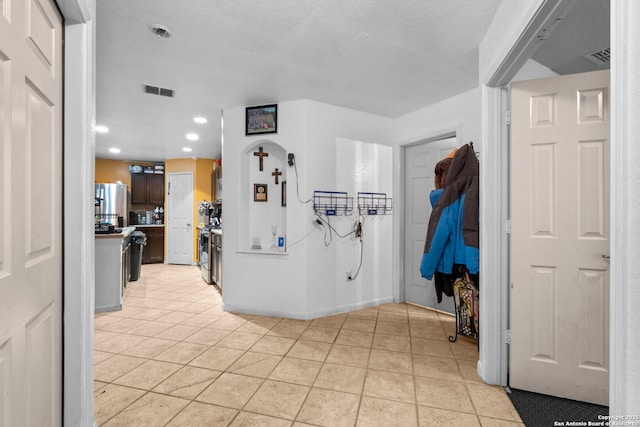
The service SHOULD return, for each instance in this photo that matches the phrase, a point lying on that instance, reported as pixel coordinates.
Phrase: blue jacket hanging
(453, 232)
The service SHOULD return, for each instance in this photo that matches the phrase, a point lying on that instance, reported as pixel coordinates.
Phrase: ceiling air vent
(155, 90)
(600, 57)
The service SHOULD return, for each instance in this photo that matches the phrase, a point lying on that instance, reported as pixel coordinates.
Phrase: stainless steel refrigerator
(112, 201)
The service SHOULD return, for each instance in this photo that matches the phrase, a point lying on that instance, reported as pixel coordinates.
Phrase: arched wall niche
(263, 210)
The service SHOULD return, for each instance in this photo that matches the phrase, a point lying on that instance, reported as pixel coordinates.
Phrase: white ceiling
(386, 57)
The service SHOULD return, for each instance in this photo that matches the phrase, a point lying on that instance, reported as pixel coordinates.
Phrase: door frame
(623, 279)
(403, 151)
(193, 216)
(493, 362)
(78, 191)
(398, 220)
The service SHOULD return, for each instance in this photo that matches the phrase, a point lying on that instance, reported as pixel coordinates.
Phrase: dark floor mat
(539, 410)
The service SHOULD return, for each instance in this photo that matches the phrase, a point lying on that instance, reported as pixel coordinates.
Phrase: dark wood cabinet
(153, 252)
(147, 188)
(155, 189)
(138, 188)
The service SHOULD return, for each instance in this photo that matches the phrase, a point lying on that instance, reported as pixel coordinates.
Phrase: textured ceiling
(387, 57)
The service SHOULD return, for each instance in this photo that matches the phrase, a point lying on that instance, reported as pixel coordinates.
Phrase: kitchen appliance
(216, 260)
(111, 203)
(210, 254)
(205, 253)
(215, 216)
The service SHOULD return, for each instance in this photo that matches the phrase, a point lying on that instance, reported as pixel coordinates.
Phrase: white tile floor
(172, 357)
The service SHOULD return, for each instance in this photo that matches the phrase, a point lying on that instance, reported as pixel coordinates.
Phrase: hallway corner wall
(309, 280)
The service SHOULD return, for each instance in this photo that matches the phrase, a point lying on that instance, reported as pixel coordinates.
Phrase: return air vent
(600, 57)
(155, 90)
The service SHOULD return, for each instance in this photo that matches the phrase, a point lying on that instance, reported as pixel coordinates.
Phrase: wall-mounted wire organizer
(373, 203)
(332, 203)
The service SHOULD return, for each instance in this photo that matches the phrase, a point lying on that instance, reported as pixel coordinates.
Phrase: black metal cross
(261, 154)
(276, 173)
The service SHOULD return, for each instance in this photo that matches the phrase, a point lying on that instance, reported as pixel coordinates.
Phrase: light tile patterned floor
(172, 357)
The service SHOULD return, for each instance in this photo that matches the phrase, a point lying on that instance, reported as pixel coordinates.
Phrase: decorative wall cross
(276, 173)
(260, 153)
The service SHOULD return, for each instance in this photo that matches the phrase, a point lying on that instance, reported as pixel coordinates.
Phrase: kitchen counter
(208, 227)
(111, 269)
(126, 231)
(147, 225)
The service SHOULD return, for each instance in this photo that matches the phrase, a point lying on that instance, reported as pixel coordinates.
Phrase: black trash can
(138, 240)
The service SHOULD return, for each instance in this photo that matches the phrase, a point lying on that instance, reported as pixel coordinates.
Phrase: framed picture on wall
(260, 193)
(261, 119)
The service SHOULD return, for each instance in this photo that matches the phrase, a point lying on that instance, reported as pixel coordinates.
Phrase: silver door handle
(607, 257)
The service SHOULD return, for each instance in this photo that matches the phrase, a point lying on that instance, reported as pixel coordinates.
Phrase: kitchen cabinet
(112, 269)
(153, 252)
(147, 188)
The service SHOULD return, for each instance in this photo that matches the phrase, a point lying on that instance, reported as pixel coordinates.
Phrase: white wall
(336, 149)
(258, 283)
(461, 114)
(340, 145)
(365, 167)
(507, 25)
(309, 280)
(533, 70)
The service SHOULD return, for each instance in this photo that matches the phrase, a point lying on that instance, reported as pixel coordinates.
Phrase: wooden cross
(276, 173)
(261, 154)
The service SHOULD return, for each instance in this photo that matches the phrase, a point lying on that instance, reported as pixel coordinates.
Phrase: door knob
(606, 257)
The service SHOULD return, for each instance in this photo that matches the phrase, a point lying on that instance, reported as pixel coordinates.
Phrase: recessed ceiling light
(114, 150)
(160, 31)
(200, 120)
(187, 149)
(192, 136)
(101, 129)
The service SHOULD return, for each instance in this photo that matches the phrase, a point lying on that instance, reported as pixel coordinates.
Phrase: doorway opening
(419, 164)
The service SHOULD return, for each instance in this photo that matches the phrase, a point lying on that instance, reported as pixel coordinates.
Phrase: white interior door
(180, 223)
(559, 296)
(420, 161)
(30, 214)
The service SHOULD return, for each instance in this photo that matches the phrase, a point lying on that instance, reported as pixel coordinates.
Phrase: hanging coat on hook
(454, 221)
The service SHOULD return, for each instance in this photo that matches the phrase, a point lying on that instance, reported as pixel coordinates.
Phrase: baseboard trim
(238, 308)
